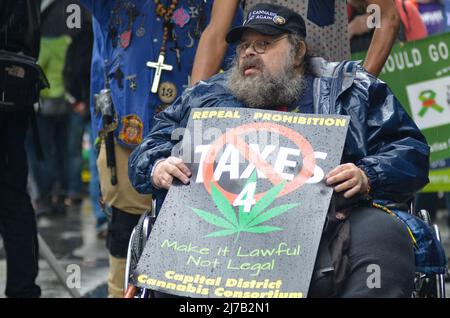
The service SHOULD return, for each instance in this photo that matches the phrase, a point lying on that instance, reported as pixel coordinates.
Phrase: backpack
(21, 80)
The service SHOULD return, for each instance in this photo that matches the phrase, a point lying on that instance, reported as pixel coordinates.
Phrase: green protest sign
(418, 73)
(439, 177)
(250, 222)
(439, 181)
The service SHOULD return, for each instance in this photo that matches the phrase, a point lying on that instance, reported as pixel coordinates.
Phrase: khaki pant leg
(122, 195)
(116, 277)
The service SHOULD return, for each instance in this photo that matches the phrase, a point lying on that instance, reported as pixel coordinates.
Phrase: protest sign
(418, 73)
(250, 221)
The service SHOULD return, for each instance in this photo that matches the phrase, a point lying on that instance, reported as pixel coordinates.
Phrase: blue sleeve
(158, 144)
(397, 163)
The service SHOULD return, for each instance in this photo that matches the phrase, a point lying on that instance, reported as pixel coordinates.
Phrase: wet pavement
(72, 238)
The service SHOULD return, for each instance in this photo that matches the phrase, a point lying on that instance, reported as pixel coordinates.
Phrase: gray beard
(266, 91)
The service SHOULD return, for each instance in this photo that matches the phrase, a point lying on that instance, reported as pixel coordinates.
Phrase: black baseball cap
(269, 19)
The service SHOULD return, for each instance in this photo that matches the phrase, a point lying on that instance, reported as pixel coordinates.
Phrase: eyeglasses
(259, 46)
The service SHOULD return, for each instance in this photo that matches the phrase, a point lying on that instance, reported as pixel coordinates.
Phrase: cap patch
(279, 20)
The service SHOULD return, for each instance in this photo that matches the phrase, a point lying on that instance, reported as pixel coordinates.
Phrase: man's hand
(349, 178)
(168, 169)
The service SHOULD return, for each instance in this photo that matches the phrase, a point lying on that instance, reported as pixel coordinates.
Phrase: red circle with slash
(232, 136)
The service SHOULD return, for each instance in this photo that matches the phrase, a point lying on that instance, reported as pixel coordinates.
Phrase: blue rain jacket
(382, 139)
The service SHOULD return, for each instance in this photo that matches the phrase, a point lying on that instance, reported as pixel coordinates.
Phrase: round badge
(167, 92)
(279, 20)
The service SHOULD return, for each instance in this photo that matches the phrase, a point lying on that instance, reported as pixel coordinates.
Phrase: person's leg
(116, 279)
(381, 256)
(127, 204)
(119, 232)
(61, 162)
(17, 219)
(32, 162)
(43, 170)
(94, 186)
(74, 158)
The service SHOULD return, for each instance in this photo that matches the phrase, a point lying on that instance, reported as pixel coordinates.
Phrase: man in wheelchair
(385, 155)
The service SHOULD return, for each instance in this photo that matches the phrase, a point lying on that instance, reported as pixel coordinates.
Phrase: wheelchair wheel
(425, 216)
(429, 286)
(439, 279)
(425, 286)
(136, 245)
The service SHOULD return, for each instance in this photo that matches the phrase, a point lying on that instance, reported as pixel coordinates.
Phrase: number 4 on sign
(247, 197)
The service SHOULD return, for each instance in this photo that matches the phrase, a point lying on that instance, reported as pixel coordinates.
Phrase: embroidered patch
(132, 130)
(181, 17)
(125, 39)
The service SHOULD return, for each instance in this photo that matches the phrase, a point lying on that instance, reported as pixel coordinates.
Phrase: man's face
(271, 62)
(266, 72)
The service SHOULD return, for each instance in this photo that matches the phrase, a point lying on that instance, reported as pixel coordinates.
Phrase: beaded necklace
(166, 14)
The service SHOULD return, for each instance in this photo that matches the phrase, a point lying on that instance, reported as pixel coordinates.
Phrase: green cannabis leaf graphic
(251, 221)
